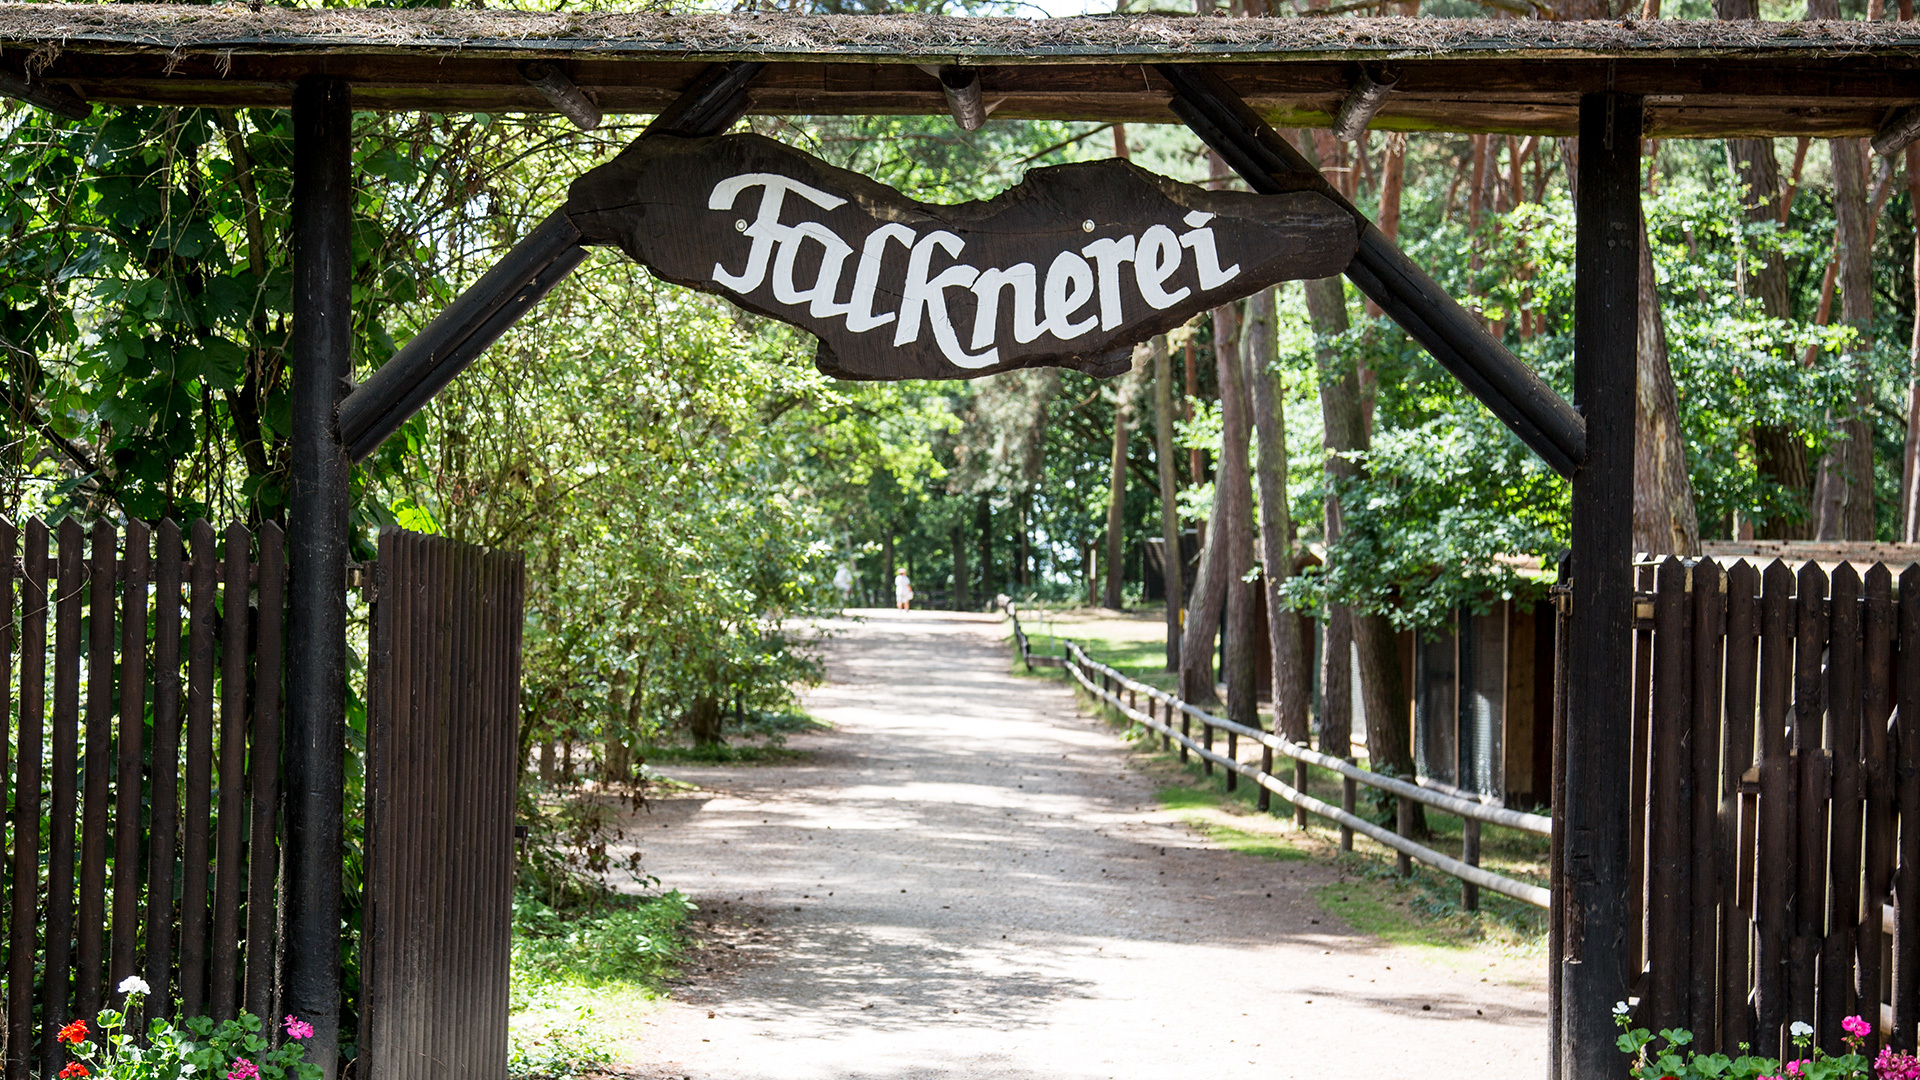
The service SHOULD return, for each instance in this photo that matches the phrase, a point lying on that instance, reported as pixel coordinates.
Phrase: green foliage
(560, 1050)
(238, 1049)
(1672, 1060)
(627, 939)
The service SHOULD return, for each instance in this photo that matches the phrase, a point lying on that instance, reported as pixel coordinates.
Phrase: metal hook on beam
(568, 99)
(1363, 102)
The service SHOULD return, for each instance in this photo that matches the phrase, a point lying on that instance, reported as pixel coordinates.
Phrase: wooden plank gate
(130, 849)
(1776, 770)
(442, 742)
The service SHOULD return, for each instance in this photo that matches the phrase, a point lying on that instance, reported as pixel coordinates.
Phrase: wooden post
(1349, 793)
(1403, 824)
(1593, 815)
(1264, 801)
(321, 353)
(1470, 854)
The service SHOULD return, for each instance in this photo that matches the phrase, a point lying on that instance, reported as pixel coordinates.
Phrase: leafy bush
(629, 940)
(560, 1051)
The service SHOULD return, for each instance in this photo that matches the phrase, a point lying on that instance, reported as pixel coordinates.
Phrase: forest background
(684, 483)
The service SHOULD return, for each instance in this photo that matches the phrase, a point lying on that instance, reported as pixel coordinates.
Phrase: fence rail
(1466, 868)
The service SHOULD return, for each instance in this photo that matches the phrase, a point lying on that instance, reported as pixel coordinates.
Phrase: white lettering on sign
(1081, 288)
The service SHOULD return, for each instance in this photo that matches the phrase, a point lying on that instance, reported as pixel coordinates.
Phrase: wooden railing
(1105, 684)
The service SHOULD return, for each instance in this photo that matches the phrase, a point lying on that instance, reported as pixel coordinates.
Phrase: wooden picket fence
(1772, 778)
(132, 850)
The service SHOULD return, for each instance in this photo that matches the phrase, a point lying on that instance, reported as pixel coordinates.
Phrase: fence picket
(1813, 787)
(1709, 632)
(1845, 700)
(133, 726)
(198, 798)
(23, 911)
(1906, 880)
(224, 952)
(1877, 782)
(63, 802)
(264, 779)
(1734, 833)
(90, 923)
(162, 844)
(1669, 896)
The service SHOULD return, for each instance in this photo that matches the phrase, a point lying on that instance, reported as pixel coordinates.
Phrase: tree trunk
(1233, 528)
(1909, 503)
(1383, 692)
(1196, 457)
(705, 721)
(1663, 514)
(1843, 493)
(1327, 309)
(961, 600)
(1780, 453)
(1124, 392)
(1290, 683)
(886, 564)
(548, 770)
(1210, 583)
(1173, 567)
(983, 527)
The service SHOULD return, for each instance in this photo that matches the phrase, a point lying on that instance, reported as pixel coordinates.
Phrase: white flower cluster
(1801, 1029)
(134, 984)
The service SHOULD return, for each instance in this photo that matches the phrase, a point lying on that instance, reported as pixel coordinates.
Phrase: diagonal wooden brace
(1269, 164)
(477, 317)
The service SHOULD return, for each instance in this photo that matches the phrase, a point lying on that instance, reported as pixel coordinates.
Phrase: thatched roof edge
(233, 28)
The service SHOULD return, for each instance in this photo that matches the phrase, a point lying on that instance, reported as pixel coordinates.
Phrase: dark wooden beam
(1818, 95)
(1269, 164)
(489, 307)
(1591, 819)
(318, 538)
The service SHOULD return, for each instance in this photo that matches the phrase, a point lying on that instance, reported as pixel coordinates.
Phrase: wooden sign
(1071, 268)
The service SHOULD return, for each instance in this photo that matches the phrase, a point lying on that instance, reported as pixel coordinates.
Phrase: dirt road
(965, 879)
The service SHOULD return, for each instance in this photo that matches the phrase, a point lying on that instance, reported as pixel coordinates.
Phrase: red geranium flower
(74, 1033)
(75, 1069)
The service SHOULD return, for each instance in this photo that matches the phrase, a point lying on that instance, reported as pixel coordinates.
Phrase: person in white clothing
(902, 590)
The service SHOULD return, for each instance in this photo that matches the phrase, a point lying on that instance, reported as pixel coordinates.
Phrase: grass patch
(1193, 806)
(582, 978)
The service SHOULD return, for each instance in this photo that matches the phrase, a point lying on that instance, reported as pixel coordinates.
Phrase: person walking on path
(902, 590)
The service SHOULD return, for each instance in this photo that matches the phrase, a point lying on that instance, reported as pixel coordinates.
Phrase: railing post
(1233, 754)
(1349, 794)
(1186, 728)
(1206, 740)
(1403, 824)
(1265, 801)
(1470, 854)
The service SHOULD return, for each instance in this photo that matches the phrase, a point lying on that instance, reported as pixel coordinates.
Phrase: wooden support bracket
(1363, 103)
(1899, 132)
(571, 101)
(1270, 165)
(477, 317)
(40, 95)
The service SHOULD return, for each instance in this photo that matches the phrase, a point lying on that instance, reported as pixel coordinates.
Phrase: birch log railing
(1105, 684)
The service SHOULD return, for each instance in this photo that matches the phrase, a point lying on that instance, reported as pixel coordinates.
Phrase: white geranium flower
(1801, 1029)
(134, 984)
(1620, 1008)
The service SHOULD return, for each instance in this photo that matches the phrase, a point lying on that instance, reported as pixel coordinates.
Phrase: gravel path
(965, 879)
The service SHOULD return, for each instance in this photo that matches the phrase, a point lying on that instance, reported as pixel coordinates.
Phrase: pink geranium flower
(244, 1070)
(1855, 1026)
(299, 1029)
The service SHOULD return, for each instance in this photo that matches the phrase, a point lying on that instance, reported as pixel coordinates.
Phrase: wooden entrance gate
(444, 695)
